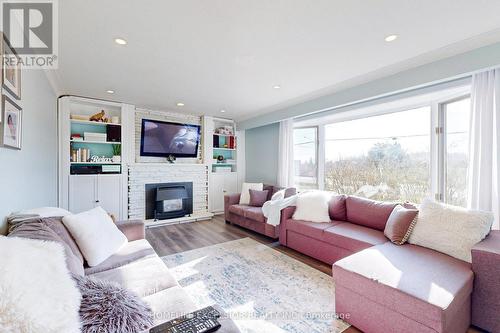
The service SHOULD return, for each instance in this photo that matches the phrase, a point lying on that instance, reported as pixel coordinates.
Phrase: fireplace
(169, 200)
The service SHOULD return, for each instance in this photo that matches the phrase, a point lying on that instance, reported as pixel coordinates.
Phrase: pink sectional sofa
(382, 287)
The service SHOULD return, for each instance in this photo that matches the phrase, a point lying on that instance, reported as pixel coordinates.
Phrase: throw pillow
(312, 206)
(96, 235)
(245, 191)
(400, 224)
(107, 307)
(37, 293)
(337, 207)
(279, 195)
(257, 198)
(449, 229)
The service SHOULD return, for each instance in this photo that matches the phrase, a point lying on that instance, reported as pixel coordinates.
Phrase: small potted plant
(117, 151)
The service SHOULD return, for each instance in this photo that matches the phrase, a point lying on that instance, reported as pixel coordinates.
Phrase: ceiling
(228, 54)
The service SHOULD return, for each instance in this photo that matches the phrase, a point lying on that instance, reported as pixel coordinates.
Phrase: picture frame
(10, 77)
(11, 130)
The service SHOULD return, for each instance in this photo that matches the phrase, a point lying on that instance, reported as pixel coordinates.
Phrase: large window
(305, 154)
(384, 157)
(403, 154)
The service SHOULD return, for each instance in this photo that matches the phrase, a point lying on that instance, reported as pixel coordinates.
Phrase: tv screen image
(160, 138)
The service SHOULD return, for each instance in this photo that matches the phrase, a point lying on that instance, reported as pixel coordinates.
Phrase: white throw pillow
(245, 191)
(449, 229)
(96, 235)
(280, 195)
(312, 206)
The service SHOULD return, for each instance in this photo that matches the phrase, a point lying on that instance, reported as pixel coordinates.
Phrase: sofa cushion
(131, 251)
(337, 208)
(449, 229)
(96, 234)
(144, 277)
(238, 209)
(169, 304)
(369, 213)
(400, 224)
(257, 198)
(255, 213)
(312, 206)
(422, 284)
(310, 229)
(353, 237)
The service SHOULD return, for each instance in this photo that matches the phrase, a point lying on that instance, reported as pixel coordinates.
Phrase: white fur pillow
(449, 229)
(312, 206)
(37, 293)
(96, 235)
(245, 191)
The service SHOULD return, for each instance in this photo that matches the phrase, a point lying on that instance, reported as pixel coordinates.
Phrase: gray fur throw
(108, 308)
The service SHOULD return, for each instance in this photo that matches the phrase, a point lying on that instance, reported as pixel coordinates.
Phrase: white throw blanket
(37, 293)
(272, 209)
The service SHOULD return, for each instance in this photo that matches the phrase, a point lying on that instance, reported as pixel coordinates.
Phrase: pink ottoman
(390, 288)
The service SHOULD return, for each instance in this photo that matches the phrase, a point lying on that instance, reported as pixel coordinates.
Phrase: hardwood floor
(189, 236)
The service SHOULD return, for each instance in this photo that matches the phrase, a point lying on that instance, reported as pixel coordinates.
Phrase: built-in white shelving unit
(108, 187)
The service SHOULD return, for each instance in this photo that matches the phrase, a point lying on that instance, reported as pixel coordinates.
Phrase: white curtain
(285, 156)
(484, 173)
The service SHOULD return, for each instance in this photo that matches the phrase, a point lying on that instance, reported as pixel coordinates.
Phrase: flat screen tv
(161, 139)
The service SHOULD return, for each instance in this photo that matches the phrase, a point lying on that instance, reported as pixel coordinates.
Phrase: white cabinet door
(216, 192)
(82, 192)
(231, 183)
(221, 184)
(109, 193)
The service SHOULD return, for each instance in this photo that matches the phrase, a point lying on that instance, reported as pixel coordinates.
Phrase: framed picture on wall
(11, 68)
(12, 124)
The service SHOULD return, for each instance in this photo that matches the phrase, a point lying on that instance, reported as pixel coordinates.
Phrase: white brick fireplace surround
(141, 174)
(150, 170)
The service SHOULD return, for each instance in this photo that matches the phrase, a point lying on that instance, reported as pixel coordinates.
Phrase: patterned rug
(263, 290)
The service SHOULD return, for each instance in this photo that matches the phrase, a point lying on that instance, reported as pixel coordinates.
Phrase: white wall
(28, 177)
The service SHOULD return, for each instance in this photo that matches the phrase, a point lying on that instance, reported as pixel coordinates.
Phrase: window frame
(317, 160)
(441, 131)
(437, 134)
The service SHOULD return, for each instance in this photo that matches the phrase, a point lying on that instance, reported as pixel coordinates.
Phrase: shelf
(225, 163)
(93, 163)
(100, 142)
(224, 148)
(88, 122)
(226, 135)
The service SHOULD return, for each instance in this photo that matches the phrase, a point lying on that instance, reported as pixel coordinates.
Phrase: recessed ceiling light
(391, 38)
(120, 41)
(180, 104)
(110, 91)
(276, 87)
(222, 111)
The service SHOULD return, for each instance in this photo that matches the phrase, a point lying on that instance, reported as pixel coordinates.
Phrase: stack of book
(80, 155)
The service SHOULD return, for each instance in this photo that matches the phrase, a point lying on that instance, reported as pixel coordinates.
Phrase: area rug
(262, 289)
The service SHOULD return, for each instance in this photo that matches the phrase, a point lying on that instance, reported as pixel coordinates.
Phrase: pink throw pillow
(400, 224)
(257, 198)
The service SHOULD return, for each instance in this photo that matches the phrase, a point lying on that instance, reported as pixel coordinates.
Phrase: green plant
(117, 150)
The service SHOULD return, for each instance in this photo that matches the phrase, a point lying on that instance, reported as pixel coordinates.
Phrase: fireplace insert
(169, 200)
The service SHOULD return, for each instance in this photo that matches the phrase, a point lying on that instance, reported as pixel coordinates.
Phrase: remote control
(201, 321)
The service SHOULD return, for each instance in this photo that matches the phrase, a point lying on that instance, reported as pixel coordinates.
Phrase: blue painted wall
(28, 177)
(261, 154)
